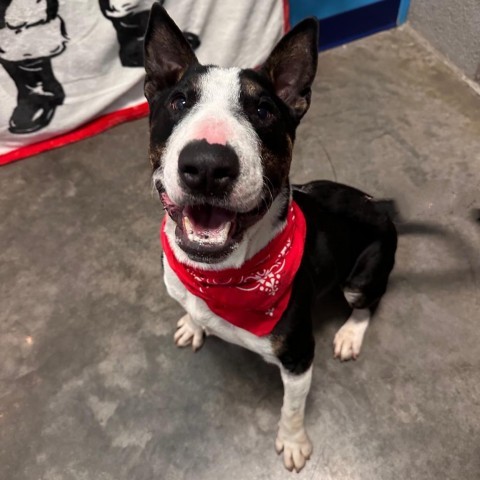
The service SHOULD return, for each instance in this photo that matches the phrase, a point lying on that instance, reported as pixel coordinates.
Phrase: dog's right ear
(167, 53)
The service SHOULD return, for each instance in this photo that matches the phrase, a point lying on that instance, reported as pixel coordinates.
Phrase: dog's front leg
(189, 333)
(292, 438)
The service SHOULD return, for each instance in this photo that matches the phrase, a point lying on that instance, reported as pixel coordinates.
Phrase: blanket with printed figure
(69, 69)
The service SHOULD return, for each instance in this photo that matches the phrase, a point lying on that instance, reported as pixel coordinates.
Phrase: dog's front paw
(188, 334)
(296, 448)
(348, 341)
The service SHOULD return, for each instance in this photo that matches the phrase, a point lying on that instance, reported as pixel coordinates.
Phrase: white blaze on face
(217, 117)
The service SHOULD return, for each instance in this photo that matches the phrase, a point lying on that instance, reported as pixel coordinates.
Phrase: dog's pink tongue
(207, 225)
(205, 219)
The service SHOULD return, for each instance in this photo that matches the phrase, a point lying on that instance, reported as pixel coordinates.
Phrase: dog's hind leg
(292, 438)
(348, 340)
(363, 290)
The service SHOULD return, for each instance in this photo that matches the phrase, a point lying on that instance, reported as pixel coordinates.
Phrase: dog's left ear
(167, 52)
(292, 65)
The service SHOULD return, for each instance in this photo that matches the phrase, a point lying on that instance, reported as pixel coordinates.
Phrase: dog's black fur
(351, 245)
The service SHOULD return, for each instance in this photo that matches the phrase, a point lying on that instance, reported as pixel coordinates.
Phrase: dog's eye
(264, 110)
(179, 102)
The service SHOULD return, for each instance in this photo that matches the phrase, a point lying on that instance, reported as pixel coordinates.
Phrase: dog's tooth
(224, 233)
(187, 225)
(219, 238)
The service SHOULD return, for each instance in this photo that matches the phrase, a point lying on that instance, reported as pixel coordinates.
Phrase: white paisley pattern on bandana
(268, 279)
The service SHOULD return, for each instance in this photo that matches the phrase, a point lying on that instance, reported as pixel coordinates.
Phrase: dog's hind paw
(188, 334)
(348, 340)
(296, 449)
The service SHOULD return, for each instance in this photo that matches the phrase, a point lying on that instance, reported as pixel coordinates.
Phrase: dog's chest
(213, 324)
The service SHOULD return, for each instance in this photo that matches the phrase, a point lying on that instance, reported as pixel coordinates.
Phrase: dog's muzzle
(208, 224)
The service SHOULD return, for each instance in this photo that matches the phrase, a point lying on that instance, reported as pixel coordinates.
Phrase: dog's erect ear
(167, 53)
(292, 65)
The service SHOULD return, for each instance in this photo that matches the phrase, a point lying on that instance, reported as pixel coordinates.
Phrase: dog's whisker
(266, 182)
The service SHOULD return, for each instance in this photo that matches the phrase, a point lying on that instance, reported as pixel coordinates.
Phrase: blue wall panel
(403, 12)
(324, 8)
(342, 21)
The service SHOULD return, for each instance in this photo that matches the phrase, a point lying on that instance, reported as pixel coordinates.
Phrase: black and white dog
(245, 253)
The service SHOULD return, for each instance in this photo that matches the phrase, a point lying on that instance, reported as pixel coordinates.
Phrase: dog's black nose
(208, 169)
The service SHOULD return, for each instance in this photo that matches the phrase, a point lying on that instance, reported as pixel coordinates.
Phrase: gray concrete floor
(91, 385)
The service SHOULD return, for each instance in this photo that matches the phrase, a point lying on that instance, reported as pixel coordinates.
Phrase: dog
(246, 252)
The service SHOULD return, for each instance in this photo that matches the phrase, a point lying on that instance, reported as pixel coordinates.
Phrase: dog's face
(221, 139)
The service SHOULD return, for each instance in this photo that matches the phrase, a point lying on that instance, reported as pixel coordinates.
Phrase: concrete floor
(91, 385)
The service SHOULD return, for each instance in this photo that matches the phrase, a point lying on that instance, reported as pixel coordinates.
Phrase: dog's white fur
(292, 438)
(219, 103)
(348, 340)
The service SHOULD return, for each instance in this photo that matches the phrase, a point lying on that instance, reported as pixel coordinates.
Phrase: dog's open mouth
(207, 232)
(208, 225)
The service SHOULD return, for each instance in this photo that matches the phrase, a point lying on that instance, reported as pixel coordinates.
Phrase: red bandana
(254, 296)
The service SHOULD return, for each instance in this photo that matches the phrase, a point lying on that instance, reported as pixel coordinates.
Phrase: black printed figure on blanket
(130, 19)
(32, 33)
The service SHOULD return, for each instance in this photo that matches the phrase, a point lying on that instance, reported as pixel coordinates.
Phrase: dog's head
(221, 139)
